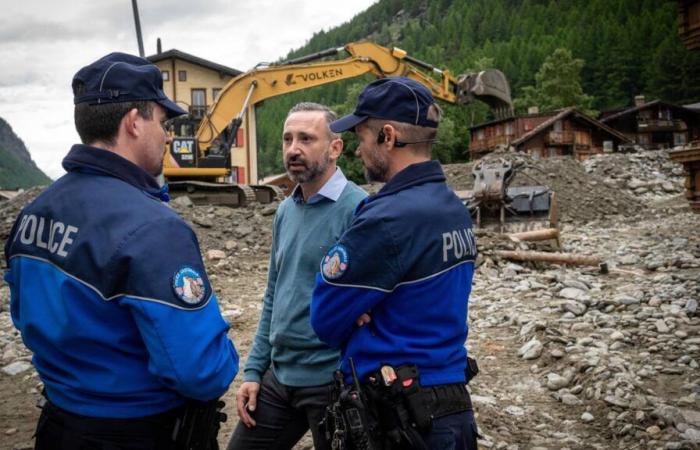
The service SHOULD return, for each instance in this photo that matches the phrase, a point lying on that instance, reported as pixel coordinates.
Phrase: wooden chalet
(564, 132)
(656, 124)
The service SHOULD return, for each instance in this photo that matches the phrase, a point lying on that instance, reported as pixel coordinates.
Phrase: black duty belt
(162, 422)
(448, 399)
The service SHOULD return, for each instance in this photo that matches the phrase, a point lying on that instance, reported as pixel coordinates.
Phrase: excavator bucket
(495, 205)
(489, 86)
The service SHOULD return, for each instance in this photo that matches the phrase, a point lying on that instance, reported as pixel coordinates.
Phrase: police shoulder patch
(188, 285)
(335, 263)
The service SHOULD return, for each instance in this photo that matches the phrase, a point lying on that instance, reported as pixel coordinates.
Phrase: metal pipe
(139, 38)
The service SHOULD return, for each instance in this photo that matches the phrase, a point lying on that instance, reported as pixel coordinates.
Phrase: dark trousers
(283, 414)
(60, 430)
(454, 432)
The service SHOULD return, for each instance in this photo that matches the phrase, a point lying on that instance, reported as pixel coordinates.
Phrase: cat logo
(188, 286)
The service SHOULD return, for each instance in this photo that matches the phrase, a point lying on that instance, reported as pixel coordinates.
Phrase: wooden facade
(689, 23)
(656, 124)
(559, 133)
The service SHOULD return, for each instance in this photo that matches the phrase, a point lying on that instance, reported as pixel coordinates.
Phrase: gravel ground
(570, 357)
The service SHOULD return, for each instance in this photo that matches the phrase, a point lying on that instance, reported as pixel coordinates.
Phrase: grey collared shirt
(331, 190)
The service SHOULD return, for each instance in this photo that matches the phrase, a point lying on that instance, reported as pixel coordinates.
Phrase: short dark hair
(101, 122)
(328, 114)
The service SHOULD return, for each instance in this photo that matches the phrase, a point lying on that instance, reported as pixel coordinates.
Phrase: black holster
(198, 426)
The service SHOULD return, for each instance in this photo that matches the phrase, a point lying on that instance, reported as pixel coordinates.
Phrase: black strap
(448, 399)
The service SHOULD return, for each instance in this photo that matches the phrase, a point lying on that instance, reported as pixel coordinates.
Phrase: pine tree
(557, 85)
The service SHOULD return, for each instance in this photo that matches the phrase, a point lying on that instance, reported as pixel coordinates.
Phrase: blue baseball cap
(399, 99)
(120, 77)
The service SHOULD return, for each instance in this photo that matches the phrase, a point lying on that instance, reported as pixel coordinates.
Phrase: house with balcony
(558, 133)
(655, 124)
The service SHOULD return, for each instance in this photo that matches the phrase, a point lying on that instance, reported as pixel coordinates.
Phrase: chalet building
(655, 124)
(558, 133)
(191, 81)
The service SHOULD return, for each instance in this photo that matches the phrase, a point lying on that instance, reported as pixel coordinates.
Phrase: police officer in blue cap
(393, 292)
(108, 287)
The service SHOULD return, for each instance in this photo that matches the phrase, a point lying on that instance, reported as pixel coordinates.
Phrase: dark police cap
(398, 99)
(119, 77)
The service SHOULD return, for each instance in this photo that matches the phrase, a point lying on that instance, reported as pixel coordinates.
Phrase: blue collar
(415, 174)
(419, 173)
(330, 190)
(88, 159)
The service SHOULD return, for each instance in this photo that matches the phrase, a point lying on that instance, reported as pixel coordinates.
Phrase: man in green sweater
(289, 372)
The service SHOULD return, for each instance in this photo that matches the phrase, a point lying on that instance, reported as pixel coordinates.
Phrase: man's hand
(247, 400)
(363, 319)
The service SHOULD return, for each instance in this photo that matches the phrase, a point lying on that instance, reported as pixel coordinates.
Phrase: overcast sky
(44, 42)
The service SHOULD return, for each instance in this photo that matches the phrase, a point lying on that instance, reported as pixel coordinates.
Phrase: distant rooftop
(174, 53)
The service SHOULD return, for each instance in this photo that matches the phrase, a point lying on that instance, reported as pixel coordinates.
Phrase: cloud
(44, 42)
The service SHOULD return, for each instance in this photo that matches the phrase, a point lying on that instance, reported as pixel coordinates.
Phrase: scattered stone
(515, 411)
(16, 367)
(182, 201)
(556, 382)
(216, 254)
(531, 350)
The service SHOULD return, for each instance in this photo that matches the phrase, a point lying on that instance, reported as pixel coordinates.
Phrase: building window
(678, 139)
(198, 106)
(664, 114)
(215, 93)
(509, 129)
(182, 75)
(480, 135)
(166, 75)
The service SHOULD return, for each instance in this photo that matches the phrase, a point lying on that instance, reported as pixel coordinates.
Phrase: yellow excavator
(219, 163)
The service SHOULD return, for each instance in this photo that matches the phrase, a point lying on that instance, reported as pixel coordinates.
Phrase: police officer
(394, 290)
(107, 284)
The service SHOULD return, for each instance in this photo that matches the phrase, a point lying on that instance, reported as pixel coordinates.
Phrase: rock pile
(645, 175)
(582, 196)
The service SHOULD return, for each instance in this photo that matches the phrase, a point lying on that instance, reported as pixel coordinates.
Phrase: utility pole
(138, 27)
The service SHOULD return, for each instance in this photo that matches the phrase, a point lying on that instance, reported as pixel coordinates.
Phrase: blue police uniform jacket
(109, 292)
(407, 260)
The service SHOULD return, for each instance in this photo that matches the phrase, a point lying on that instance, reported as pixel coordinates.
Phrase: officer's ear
(389, 133)
(132, 123)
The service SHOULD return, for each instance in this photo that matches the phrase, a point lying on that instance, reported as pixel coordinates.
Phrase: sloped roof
(562, 114)
(634, 109)
(174, 53)
(693, 106)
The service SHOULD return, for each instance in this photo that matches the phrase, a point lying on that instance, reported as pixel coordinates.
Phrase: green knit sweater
(301, 235)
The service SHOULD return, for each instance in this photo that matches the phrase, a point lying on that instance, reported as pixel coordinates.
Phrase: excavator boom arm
(364, 57)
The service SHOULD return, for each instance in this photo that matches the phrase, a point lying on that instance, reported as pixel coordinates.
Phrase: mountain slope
(17, 170)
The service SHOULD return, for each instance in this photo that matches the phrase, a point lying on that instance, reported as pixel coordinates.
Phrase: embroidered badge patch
(188, 285)
(335, 263)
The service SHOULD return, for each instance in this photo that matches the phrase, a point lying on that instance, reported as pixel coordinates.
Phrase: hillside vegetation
(625, 48)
